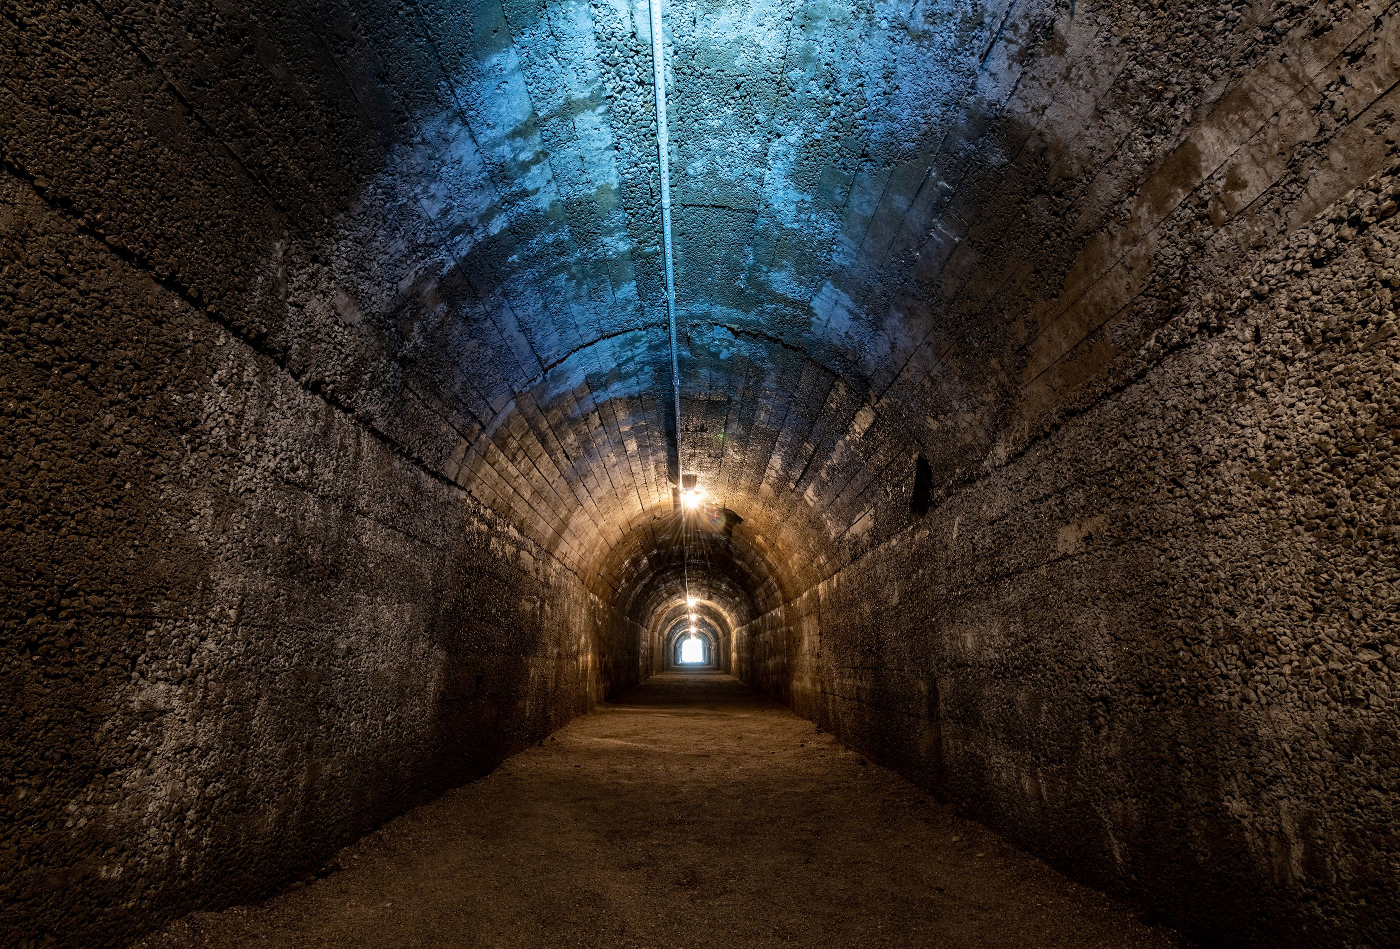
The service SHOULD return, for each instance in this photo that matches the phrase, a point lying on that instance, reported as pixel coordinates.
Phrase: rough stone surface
(1160, 645)
(242, 629)
(338, 455)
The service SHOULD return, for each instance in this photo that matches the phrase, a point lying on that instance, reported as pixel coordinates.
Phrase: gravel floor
(693, 812)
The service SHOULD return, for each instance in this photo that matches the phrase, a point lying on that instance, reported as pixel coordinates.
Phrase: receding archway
(692, 645)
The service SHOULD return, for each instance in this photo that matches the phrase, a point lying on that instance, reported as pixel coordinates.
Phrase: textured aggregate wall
(1161, 644)
(243, 630)
(247, 612)
(429, 232)
(1120, 636)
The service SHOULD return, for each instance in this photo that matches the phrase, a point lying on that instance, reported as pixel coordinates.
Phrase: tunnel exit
(692, 651)
(460, 407)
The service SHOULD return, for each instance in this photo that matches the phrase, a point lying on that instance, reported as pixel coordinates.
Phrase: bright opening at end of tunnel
(692, 651)
(693, 498)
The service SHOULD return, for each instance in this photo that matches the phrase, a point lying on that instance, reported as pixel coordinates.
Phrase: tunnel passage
(1037, 362)
(692, 650)
(694, 641)
(692, 646)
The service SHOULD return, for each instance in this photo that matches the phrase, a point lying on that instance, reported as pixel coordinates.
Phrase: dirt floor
(693, 812)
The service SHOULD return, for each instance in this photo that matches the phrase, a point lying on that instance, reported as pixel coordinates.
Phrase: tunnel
(966, 430)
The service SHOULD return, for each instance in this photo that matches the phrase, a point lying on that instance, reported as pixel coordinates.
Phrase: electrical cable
(658, 61)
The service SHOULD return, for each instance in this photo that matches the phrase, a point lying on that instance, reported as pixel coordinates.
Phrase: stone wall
(1160, 643)
(242, 627)
(341, 321)
(274, 568)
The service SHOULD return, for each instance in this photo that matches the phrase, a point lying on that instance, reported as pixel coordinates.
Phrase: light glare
(691, 651)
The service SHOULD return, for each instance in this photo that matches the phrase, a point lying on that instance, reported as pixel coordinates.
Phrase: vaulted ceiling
(817, 150)
(445, 218)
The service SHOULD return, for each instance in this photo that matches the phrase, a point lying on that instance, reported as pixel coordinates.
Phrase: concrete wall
(256, 595)
(1159, 644)
(1147, 628)
(364, 302)
(241, 626)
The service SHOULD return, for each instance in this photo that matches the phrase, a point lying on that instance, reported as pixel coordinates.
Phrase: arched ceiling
(812, 148)
(446, 218)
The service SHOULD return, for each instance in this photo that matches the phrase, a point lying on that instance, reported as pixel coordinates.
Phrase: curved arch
(674, 641)
(709, 613)
(580, 460)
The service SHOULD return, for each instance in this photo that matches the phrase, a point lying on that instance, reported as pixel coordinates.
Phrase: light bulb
(693, 498)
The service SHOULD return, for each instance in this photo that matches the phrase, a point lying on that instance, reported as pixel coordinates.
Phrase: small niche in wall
(731, 521)
(921, 498)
